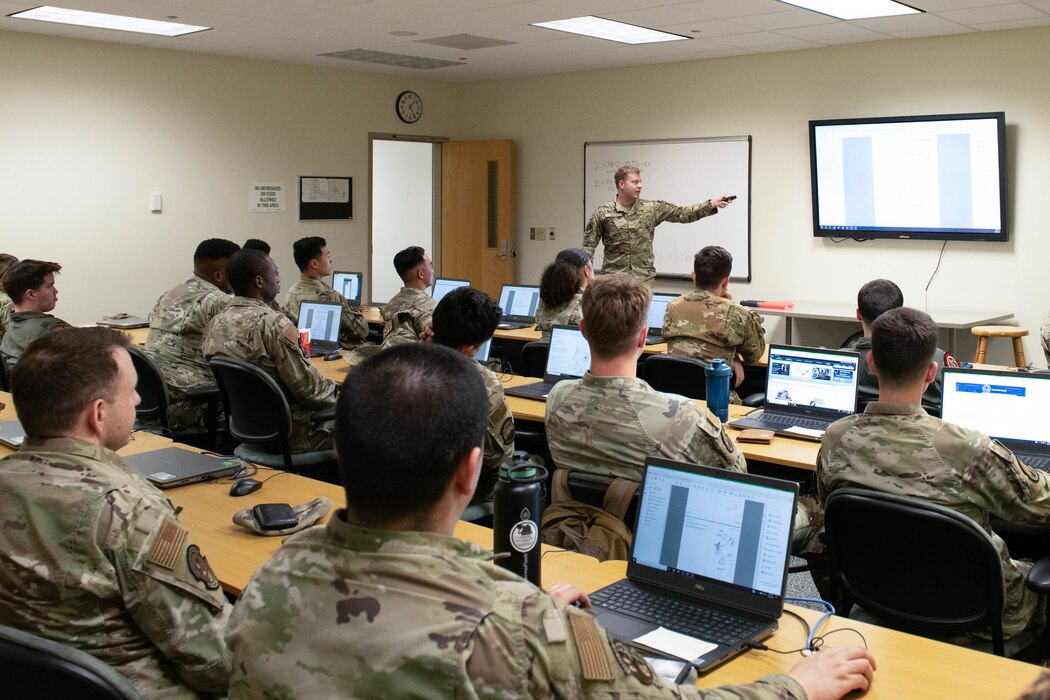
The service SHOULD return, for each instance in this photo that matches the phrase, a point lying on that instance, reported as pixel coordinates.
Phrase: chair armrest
(326, 413)
(209, 392)
(1038, 578)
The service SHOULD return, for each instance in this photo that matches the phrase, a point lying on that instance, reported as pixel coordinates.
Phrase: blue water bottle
(718, 374)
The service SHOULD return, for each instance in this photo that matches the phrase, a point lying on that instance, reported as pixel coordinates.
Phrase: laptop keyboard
(788, 421)
(677, 615)
(536, 389)
(1039, 462)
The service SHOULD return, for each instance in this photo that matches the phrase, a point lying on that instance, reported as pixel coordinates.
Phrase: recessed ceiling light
(608, 29)
(100, 20)
(855, 9)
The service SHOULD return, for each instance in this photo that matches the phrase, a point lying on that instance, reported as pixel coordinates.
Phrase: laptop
(1011, 407)
(807, 389)
(12, 433)
(519, 302)
(482, 355)
(322, 320)
(708, 564)
(569, 357)
(655, 334)
(173, 466)
(124, 323)
(349, 285)
(443, 286)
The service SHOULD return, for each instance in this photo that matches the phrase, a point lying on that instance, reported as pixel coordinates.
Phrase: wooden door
(477, 213)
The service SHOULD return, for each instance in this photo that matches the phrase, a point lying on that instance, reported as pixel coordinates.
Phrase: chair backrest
(35, 667)
(4, 386)
(257, 410)
(913, 564)
(675, 374)
(534, 357)
(150, 387)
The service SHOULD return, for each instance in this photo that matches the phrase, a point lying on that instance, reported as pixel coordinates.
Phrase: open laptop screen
(707, 524)
(823, 379)
(482, 355)
(657, 309)
(321, 319)
(348, 284)
(444, 286)
(569, 356)
(1011, 406)
(517, 300)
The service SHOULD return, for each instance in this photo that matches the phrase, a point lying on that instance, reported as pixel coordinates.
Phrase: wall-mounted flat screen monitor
(940, 177)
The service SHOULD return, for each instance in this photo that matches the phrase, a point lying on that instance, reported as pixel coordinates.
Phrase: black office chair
(914, 565)
(257, 413)
(33, 667)
(153, 407)
(534, 358)
(4, 385)
(676, 375)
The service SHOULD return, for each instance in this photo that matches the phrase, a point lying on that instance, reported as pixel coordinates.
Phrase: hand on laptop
(569, 594)
(834, 671)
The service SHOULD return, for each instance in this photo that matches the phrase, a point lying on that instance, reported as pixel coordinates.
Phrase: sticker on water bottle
(524, 536)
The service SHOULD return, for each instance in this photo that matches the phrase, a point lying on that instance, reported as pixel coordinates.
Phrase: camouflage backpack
(597, 532)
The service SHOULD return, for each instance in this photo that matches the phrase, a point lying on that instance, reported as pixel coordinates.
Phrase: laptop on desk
(1011, 407)
(807, 389)
(569, 357)
(443, 286)
(124, 323)
(12, 433)
(349, 285)
(655, 320)
(519, 302)
(322, 320)
(174, 466)
(708, 563)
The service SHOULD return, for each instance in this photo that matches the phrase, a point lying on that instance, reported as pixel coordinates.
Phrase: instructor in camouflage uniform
(248, 329)
(706, 323)
(895, 446)
(176, 329)
(383, 602)
(91, 554)
(627, 224)
(314, 261)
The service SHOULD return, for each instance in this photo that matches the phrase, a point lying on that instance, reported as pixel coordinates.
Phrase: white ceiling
(296, 31)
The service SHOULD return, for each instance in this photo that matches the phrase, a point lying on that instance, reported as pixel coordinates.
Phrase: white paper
(808, 432)
(674, 644)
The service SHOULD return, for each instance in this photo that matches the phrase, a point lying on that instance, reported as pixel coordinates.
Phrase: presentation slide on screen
(348, 285)
(323, 322)
(519, 301)
(569, 353)
(1001, 407)
(812, 379)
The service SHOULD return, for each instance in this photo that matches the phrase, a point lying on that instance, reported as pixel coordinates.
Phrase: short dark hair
(465, 316)
(60, 374)
(257, 244)
(25, 275)
(213, 249)
(623, 171)
(903, 341)
(243, 267)
(711, 265)
(408, 259)
(6, 261)
(306, 249)
(404, 420)
(561, 279)
(615, 308)
(876, 298)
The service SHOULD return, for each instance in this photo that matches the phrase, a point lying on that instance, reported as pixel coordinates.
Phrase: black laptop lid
(812, 382)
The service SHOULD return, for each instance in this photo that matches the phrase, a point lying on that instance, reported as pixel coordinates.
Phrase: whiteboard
(683, 172)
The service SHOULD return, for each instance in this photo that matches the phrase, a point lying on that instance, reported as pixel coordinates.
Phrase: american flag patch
(167, 549)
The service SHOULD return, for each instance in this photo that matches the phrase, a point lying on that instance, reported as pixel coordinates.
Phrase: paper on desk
(674, 644)
(808, 432)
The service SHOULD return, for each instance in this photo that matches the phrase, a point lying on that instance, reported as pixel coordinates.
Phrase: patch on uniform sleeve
(631, 662)
(507, 431)
(168, 545)
(594, 660)
(949, 360)
(554, 626)
(200, 568)
(1003, 452)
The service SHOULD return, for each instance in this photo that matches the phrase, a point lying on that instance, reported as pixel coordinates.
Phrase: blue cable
(821, 621)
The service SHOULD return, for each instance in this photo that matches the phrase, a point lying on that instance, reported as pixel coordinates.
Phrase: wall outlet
(550, 233)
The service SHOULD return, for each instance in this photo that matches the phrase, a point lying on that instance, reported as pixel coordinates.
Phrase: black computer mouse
(242, 487)
(334, 355)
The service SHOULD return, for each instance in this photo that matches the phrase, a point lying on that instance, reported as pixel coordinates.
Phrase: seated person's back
(31, 286)
(561, 290)
(408, 313)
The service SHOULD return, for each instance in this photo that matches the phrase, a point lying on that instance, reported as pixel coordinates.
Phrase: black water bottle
(517, 508)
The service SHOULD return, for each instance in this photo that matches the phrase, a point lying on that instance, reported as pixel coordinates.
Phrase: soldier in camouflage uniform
(383, 602)
(464, 320)
(627, 225)
(248, 329)
(264, 247)
(31, 286)
(315, 263)
(92, 555)
(610, 421)
(561, 289)
(895, 446)
(177, 325)
(706, 323)
(1044, 333)
(6, 261)
(408, 313)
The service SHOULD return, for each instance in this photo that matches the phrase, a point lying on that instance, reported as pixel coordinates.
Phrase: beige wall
(89, 130)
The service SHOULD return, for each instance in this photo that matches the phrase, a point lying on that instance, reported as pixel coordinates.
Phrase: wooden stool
(983, 333)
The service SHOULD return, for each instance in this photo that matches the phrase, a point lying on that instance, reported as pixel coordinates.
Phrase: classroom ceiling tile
(726, 9)
(828, 33)
(997, 13)
(771, 21)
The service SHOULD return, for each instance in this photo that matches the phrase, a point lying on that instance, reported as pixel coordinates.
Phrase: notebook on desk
(569, 357)
(349, 285)
(655, 319)
(708, 563)
(12, 433)
(174, 466)
(322, 320)
(443, 286)
(807, 389)
(519, 302)
(1011, 407)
